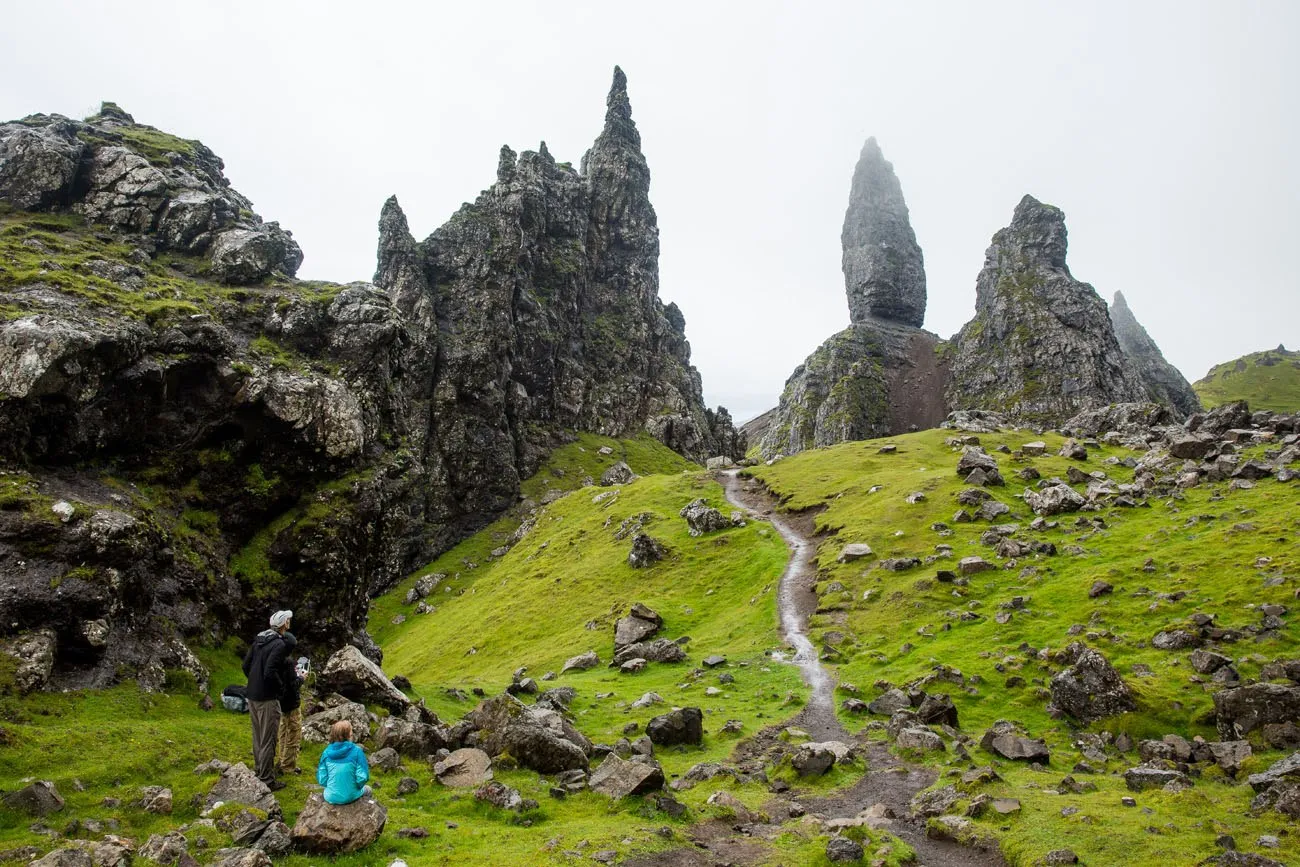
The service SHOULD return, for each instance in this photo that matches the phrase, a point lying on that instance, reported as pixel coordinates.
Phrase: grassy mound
(1212, 550)
(1266, 380)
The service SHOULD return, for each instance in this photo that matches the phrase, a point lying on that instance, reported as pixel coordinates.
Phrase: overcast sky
(1167, 132)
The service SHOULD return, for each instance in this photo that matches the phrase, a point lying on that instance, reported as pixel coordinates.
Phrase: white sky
(1166, 131)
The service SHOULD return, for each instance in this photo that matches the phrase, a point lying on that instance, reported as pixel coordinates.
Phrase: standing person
(344, 768)
(290, 740)
(264, 668)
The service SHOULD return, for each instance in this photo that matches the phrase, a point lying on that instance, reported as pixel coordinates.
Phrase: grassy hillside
(1266, 380)
(1221, 548)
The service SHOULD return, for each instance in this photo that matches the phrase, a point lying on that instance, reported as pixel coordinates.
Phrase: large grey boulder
(350, 673)
(640, 623)
(1090, 689)
(659, 650)
(411, 738)
(1244, 709)
(616, 778)
(702, 518)
(581, 662)
(537, 738)
(239, 785)
(1054, 499)
(684, 726)
(1002, 739)
(464, 768)
(33, 658)
(327, 829)
(316, 727)
(38, 799)
(65, 858)
(1283, 770)
(124, 190)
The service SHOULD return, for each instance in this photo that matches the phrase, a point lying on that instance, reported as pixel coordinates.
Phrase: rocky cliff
(1041, 347)
(883, 374)
(1161, 379)
(190, 438)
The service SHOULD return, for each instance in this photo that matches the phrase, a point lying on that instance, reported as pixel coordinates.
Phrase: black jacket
(264, 666)
(291, 695)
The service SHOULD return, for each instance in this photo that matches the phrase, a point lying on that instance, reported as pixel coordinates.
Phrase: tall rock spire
(884, 271)
(398, 269)
(1162, 380)
(1041, 346)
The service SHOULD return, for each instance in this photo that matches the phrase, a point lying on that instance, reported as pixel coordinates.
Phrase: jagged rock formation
(1041, 346)
(182, 457)
(884, 271)
(1162, 380)
(135, 178)
(883, 374)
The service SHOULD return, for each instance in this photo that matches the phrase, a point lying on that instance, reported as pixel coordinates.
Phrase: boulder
(1175, 639)
(249, 255)
(1241, 710)
(1229, 755)
(1054, 500)
(890, 702)
(33, 658)
(1091, 688)
(919, 739)
(316, 727)
(465, 768)
(500, 795)
(1140, 778)
(414, 739)
(684, 726)
(351, 673)
(1003, 740)
(156, 799)
(812, 760)
(618, 474)
(659, 650)
(38, 164)
(937, 709)
(701, 518)
(975, 458)
(646, 551)
(326, 829)
(239, 785)
(616, 778)
(581, 662)
(65, 858)
(538, 738)
(640, 623)
(854, 551)
(164, 848)
(842, 850)
(1287, 769)
(38, 799)
(240, 857)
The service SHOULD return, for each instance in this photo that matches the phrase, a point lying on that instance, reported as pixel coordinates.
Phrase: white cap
(280, 618)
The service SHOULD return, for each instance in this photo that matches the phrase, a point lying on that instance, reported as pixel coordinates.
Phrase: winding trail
(889, 781)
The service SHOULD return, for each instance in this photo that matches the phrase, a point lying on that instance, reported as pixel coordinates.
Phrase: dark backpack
(234, 698)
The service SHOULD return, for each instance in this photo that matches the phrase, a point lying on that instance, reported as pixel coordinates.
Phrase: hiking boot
(276, 785)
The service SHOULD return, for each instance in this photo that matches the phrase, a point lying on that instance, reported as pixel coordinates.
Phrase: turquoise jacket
(343, 771)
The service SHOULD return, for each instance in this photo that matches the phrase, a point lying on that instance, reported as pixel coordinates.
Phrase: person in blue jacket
(344, 768)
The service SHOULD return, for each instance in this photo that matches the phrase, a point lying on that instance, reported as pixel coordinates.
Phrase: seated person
(343, 768)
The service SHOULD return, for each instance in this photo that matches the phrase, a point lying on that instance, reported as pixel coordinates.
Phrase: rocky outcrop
(1041, 347)
(325, 829)
(884, 271)
(330, 438)
(1162, 380)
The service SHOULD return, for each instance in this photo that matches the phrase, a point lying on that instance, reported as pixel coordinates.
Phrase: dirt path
(889, 781)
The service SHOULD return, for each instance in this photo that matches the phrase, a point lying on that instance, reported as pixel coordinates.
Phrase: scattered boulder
(538, 738)
(316, 726)
(919, 739)
(351, 673)
(1243, 709)
(1140, 778)
(415, 739)
(812, 760)
(659, 650)
(1175, 639)
(164, 848)
(38, 799)
(500, 795)
(616, 778)
(465, 768)
(975, 458)
(156, 799)
(842, 850)
(618, 474)
(33, 658)
(1002, 739)
(684, 726)
(973, 565)
(326, 829)
(640, 623)
(1054, 500)
(581, 662)
(890, 702)
(1090, 689)
(239, 785)
(1287, 769)
(646, 551)
(854, 551)
(702, 518)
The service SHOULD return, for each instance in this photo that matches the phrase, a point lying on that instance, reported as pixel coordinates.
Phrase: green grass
(1266, 380)
(1203, 546)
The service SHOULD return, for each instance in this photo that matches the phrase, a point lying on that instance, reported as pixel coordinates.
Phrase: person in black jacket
(264, 666)
(290, 739)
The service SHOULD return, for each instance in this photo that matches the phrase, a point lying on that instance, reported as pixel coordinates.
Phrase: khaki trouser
(266, 725)
(290, 740)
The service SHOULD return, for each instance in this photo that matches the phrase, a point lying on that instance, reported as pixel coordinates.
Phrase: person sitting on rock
(344, 768)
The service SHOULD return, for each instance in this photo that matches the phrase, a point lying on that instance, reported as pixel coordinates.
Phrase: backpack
(233, 699)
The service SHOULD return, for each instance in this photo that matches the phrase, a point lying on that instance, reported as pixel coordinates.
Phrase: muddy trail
(889, 781)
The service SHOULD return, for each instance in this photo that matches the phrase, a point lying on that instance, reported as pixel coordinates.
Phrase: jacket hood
(265, 635)
(339, 750)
